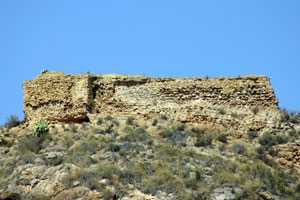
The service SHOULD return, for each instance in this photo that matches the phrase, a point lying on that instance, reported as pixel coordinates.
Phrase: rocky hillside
(138, 159)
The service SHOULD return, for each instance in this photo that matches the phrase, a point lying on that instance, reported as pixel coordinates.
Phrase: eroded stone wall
(237, 103)
(56, 97)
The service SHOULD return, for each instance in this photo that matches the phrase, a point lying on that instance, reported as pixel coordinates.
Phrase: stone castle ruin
(242, 103)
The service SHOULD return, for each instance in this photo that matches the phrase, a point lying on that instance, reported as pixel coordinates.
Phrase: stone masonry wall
(237, 103)
(57, 97)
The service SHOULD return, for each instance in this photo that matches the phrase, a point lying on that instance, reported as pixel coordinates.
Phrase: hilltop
(134, 137)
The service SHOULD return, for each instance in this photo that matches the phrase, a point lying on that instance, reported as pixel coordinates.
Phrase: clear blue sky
(157, 38)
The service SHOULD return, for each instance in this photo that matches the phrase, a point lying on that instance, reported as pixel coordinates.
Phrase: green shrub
(81, 153)
(30, 143)
(180, 126)
(67, 140)
(282, 139)
(174, 135)
(167, 151)
(135, 135)
(134, 172)
(107, 194)
(293, 133)
(235, 115)
(41, 129)
(222, 138)
(27, 158)
(113, 147)
(131, 149)
(90, 179)
(222, 111)
(293, 117)
(224, 176)
(154, 122)
(78, 158)
(100, 121)
(273, 152)
(239, 149)
(12, 121)
(297, 188)
(268, 140)
(163, 180)
(73, 128)
(252, 135)
(260, 151)
(262, 154)
(284, 115)
(222, 147)
(128, 176)
(163, 117)
(198, 132)
(88, 146)
(108, 170)
(130, 121)
(273, 180)
(86, 177)
(204, 140)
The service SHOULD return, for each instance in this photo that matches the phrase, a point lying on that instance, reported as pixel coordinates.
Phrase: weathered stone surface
(9, 196)
(240, 103)
(138, 195)
(57, 97)
(226, 193)
(289, 155)
(78, 193)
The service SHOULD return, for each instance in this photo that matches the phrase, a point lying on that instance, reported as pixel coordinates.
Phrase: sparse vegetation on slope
(158, 159)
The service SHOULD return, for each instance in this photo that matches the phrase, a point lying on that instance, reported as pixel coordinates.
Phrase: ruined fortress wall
(230, 102)
(57, 97)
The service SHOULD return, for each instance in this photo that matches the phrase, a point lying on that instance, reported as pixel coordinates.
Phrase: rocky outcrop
(242, 103)
(289, 155)
(9, 196)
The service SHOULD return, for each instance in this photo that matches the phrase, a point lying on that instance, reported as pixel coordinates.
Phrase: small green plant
(73, 128)
(154, 122)
(235, 115)
(252, 135)
(239, 149)
(30, 143)
(268, 140)
(222, 111)
(130, 121)
(222, 147)
(100, 121)
(197, 131)
(222, 138)
(135, 135)
(41, 129)
(295, 118)
(287, 116)
(204, 140)
(174, 135)
(163, 117)
(113, 147)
